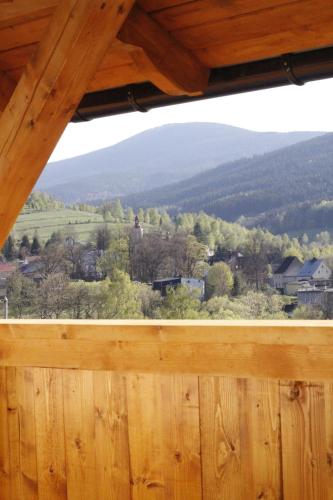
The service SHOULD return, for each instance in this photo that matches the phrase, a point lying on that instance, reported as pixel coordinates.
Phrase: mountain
(155, 157)
(282, 190)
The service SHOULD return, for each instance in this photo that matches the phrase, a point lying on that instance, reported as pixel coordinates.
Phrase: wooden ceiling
(174, 43)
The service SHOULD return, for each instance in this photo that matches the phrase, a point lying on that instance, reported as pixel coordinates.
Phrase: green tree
(103, 237)
(35, 246)
(9, 249)
(115, 258)
(122, 300)
(180, 303)
(24, 247)
(117, 210)
(219, 280)
(130, 215)
(22, 294)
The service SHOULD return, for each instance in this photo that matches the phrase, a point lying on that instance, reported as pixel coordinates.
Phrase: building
(192, 284)
(6, 269)
(313, 296)
(287, 272)
(315, 271)
(137, 230)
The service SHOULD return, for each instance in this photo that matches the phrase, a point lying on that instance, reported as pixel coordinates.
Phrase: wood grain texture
(47, 94)
(162, 59)
(165, 462)
(111, 437)
(302, 351)
(240, 433)
(304, 454)
(26, 411)
(50, 434)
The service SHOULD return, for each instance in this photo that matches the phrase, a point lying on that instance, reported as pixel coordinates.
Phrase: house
(6, 269)
(162, 285)
(287, 272)
(313, 296)
(315, 270)
(33, 268)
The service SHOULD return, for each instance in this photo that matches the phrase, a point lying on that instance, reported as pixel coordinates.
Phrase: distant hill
(155, 158)
(282, 190)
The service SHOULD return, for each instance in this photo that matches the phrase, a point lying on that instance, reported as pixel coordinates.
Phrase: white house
(315, 270)
(287, 272)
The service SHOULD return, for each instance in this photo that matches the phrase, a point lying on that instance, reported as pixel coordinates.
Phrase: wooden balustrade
(166, 410)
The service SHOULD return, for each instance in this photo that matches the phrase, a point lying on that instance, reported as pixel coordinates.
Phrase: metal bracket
(288, 69)
(133, 102)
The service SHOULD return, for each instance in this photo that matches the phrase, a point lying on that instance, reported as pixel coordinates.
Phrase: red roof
(7, 268)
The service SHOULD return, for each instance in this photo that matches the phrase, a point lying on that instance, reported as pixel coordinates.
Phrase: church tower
(137, 229)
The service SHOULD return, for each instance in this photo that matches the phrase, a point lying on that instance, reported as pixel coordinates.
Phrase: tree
(22, 293)
(219, 280)
(103, 237)
(130, 215)
(180, 303)
(53, 296)
(24, 247)
(117, 210)
(198, 232)
(256, 257)
(35, 246)
(122, 300)
(115, 258)
(9, 249)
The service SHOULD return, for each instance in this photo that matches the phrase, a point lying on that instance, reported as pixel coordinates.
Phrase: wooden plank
(220, 438)
(111, 437)
(20, 11)
(79, 434)
(4, 437)
(28, 453)
(13, 435)
(293, 17)
(329, 438)
(23, 34)
(257, 350)
(304, 454)
(240, 435)
(165, 461)
(48, 93)
(50, 439)
(260, 439)
(200, 12)
(162, 59)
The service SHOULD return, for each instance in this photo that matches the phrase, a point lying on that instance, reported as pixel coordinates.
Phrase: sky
(281, 109)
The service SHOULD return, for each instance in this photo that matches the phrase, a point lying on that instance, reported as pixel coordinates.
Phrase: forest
(267, 190)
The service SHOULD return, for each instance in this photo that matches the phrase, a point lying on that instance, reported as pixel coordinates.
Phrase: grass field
(45, 223)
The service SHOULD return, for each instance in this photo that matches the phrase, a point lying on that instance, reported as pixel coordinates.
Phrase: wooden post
(48, 93)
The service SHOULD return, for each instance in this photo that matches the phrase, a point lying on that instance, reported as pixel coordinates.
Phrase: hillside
(263, 188)
(154, 157)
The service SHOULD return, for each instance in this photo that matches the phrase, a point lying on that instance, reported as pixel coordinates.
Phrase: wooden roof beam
(48, 93)
(7, 87)
(165, 62)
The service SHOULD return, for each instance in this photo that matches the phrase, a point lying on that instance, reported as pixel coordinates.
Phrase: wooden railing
(164, 410)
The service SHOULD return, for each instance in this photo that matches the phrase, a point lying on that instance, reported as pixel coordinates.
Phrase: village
(214, 269)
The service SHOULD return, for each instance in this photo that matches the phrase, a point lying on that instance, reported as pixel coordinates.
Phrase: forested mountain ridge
(155, 157)
(259, 188)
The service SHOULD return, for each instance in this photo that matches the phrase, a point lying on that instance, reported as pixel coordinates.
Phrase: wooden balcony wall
(166, 410)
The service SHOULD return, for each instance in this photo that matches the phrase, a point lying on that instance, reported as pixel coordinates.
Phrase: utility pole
(5, 303)
(5, 307)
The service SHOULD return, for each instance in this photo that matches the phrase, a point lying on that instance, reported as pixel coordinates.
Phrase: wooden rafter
(48, 93)
(7, 87)
(161, 58)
